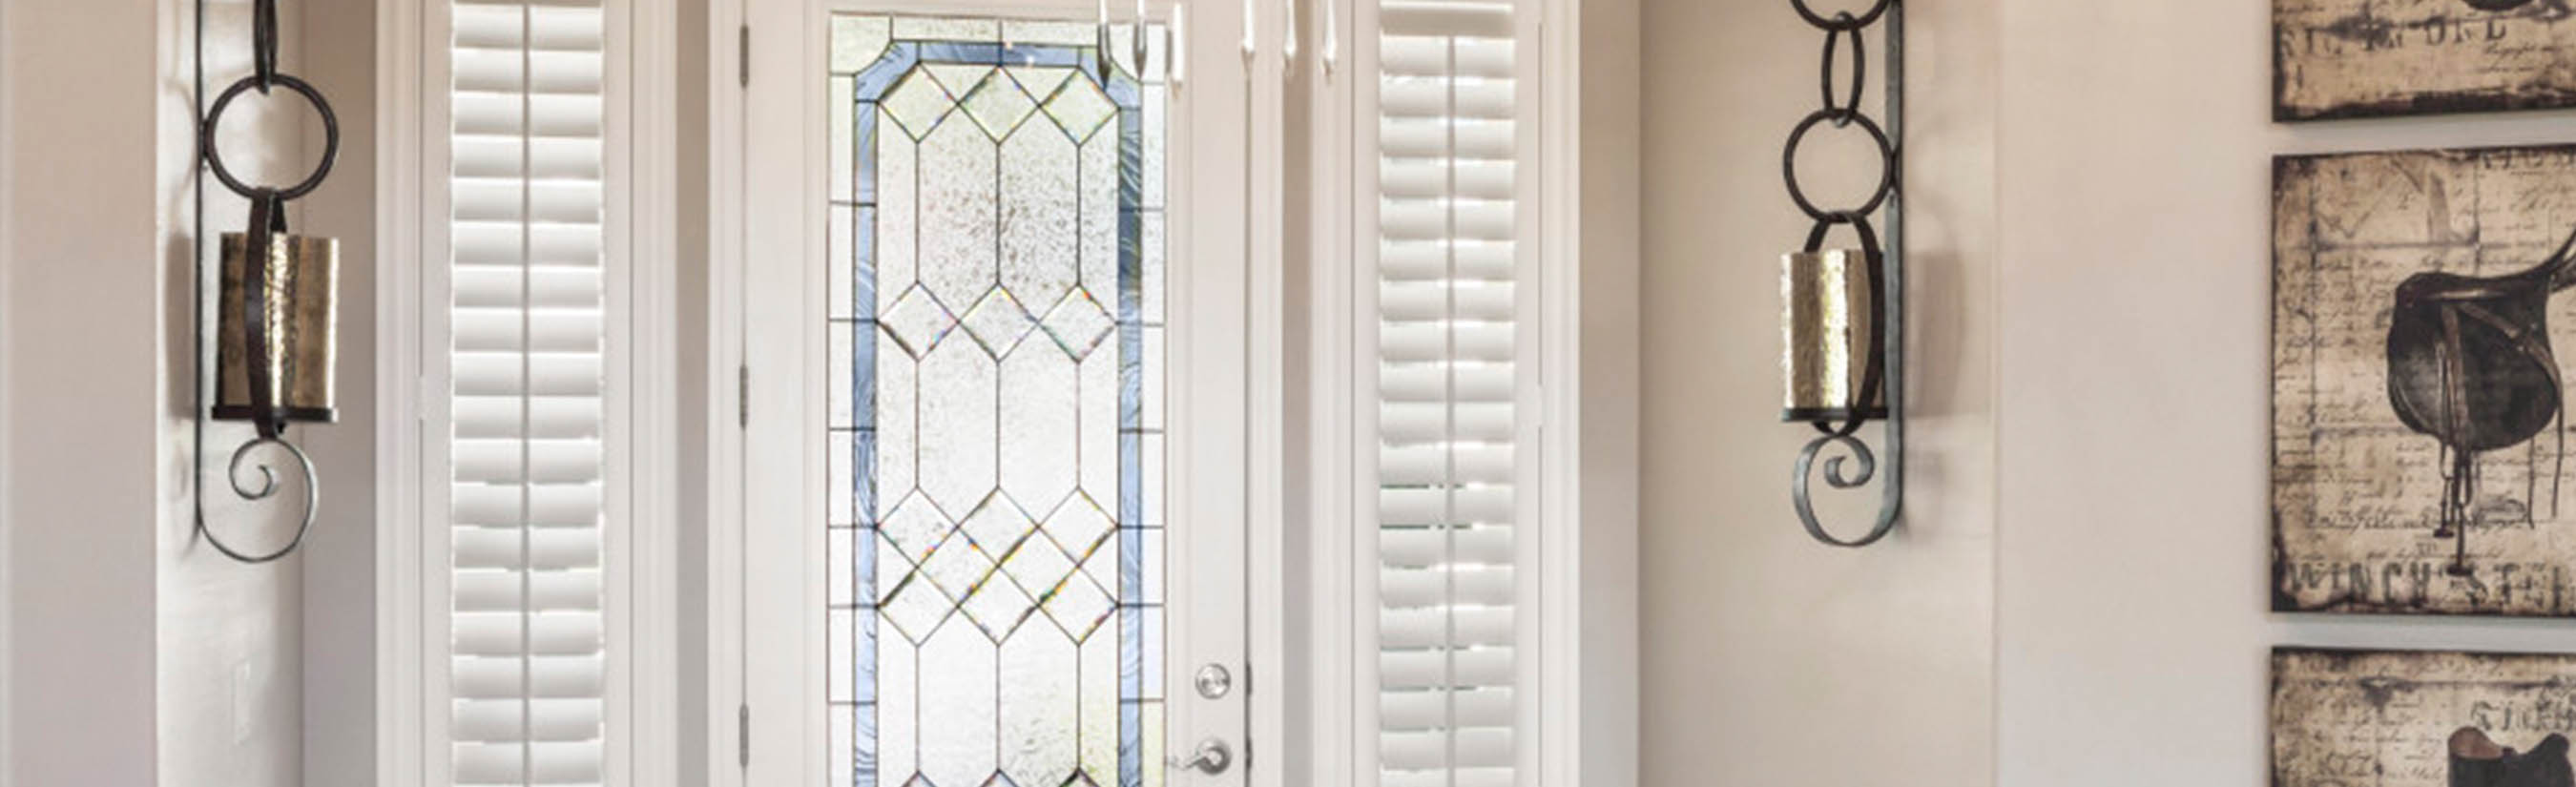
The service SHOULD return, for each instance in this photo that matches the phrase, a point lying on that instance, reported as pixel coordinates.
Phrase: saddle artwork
(2478, 761)
(2470, 364)
(2350, 718)
(2419, 403)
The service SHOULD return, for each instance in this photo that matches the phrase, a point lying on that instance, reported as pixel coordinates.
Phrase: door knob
(1212, 758)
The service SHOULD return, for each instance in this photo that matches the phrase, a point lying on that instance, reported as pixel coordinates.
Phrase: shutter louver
(1447, 396)
(528, 660)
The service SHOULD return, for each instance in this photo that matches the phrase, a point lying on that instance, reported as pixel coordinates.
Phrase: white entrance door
(994, 492)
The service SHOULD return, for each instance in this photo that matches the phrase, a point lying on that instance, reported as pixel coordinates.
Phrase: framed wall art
(2421, 719)
(2371, 58)
(2419, 453)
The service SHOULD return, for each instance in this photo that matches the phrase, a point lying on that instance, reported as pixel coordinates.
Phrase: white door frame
(767, 229)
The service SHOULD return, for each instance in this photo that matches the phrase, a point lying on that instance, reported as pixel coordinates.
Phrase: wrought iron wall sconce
(1842, 319)
(278, 312)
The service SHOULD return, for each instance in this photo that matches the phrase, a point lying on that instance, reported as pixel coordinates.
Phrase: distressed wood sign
(2366, 58)
(2418, 443)
(2421, 719)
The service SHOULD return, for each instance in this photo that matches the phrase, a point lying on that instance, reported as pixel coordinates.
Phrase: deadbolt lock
(1214, 682)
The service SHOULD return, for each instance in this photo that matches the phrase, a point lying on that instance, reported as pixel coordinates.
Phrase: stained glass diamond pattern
(998, 105)
(998, 525)
(1069, 597)
(999, 322)
(1040, 81)
(917, 103)
(1079, 108)
(916, 607)
(917, 321)
(1079, 605)
(958, 78)
(1079, 525)
(956, 566)
(1038, 566)
(999, 606)
(915, 527)
(1078, 323)
(1102, 567)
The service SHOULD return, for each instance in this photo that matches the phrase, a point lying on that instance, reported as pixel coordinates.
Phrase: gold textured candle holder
(1825, 334)
(302, 317)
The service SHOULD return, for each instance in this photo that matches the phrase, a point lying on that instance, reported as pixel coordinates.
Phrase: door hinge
(745, 49)
(742, 396)
(1247, 699)
(743, 743)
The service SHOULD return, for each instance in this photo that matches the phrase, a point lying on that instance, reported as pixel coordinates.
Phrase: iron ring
(1842, 20)
(1860, 226)
(1859, 78)
(1886, 170)
(215, 158)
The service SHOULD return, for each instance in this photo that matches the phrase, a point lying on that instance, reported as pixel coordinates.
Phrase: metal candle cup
(302, 315)
(1825, 336)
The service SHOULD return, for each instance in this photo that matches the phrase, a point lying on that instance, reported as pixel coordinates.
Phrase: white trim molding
(723, 553)
(401, 704)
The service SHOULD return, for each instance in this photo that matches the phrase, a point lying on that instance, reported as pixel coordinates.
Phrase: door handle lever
(1212, 758)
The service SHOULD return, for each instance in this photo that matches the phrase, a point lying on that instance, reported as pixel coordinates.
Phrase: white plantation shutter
(1449, 394)
(528, 660)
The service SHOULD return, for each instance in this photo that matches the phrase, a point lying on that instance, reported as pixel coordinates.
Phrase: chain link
(1843, 111)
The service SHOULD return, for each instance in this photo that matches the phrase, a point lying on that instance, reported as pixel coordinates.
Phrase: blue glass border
(863, 396)
(1123, 90)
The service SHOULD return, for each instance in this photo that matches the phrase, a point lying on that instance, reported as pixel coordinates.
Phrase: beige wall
(337, 719)
(1612, 191)
(1769, 658)
(79, 353)
(2136, 298)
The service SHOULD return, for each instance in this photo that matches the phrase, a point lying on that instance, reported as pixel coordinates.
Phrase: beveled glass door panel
(995, 511)
(997, 272)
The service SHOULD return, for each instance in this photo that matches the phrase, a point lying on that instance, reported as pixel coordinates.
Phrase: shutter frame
(1451, 455)
(528, 341)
